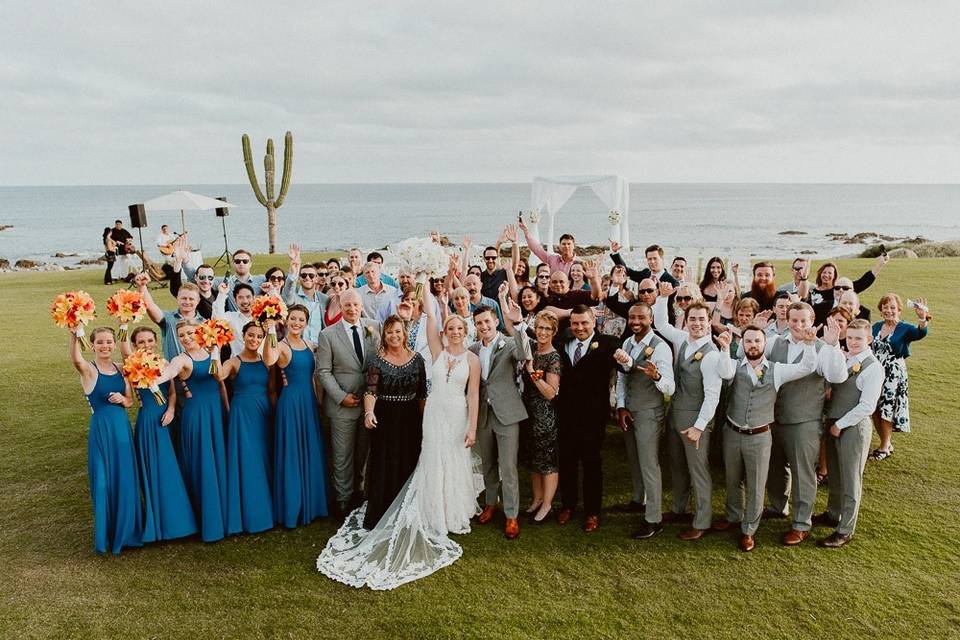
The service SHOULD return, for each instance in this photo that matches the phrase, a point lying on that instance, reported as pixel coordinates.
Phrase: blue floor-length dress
(249, 452)
(202, 451)
(112, 470)
(299, 475)
(168, 513)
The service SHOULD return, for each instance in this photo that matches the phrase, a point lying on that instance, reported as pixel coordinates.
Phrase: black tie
(356, 344)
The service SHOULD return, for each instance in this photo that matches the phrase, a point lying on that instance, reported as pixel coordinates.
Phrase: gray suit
(340, 372)
(498, 430)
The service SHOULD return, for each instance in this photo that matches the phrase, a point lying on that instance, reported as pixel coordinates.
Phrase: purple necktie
(578, 353)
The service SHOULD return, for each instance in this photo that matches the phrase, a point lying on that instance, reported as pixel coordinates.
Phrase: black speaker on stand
(138, 220)
(222, 213)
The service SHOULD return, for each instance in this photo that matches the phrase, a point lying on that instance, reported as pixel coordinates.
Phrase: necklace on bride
(453, 361)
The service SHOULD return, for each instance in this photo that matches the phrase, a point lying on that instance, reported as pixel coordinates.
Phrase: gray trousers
(498, 444)
(643, 447)
(793, 470)
(846, 457)
(690, 465)
(746, 459)
(350, 443)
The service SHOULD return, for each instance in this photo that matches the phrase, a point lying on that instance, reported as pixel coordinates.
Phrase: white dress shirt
(661, 357)
(349, 329)
(237, 322)
(486, 352)
(830, 361)
(713, 367)
(870, 383)
(572, 347)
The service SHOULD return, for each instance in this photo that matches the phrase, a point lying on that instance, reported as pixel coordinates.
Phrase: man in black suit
(655, 270)
(583, 407)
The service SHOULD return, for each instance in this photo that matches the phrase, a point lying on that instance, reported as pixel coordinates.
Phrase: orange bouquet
(126, 306)
(143, 368)
(269, 307)
(212, 335)
(73, 310)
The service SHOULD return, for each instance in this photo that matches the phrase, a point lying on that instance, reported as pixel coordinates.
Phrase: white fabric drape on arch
(550, 194)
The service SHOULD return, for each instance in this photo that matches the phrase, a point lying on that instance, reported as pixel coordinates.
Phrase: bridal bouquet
(423, 256)
(126, 306)
(143, 368)
(212, 335)
(269, 307)
(73, 310)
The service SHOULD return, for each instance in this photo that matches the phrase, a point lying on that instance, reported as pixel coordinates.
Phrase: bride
(410, 540)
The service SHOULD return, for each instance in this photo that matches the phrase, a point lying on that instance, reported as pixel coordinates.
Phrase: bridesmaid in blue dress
(299, 484)
(203, 457)
(111, 460)
(249, 439)
(167, 511)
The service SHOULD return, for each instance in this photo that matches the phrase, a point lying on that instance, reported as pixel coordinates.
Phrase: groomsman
(640, 412)
(654, 270)
(344, 353)
(746, 451)
(500, 413)
(798, 418)
(698, 372)
(848, 414)
(583, 407)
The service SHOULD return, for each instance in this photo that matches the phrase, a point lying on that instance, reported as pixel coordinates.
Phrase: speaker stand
(225, 256)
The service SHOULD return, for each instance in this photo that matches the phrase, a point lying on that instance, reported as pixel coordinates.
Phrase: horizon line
(424, 183)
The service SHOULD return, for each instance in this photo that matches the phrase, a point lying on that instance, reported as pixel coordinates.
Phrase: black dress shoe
(835, 540)
(824, 520)
(532, 518)
(646, 530)
(770, 514)
(670, 517)
(631, 507)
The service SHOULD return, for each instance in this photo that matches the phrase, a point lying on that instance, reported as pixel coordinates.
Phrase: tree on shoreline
(269, 200)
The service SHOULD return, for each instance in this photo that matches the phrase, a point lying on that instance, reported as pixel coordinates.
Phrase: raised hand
(666, 289)
(810, 335)
(294, 252)
(510, 232)
(502, 290)
(650, 370)
(764, 318)
(920, 306)
(614, 246)
(224, 287)
(523, 226)
(453, 264)
(467, 243)
(723, 339)
(619, 277)
(831, 334)
(882, 260)
(590, 269)
(141, 280)
(513, 312)
(735, 267)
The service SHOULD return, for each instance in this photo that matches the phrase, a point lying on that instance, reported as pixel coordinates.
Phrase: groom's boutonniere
(594, 345)
(648, 351)
(698, 356)
(500, 346)
(369, 330)
(855, 368)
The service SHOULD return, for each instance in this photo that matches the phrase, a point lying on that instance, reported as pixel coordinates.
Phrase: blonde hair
(186, 322)
(460, 292)
(189, 286)
(391, 320)
(549, 318)
(692, 290)
(860, 324)
(747, 303)
(453, 317)
(93, 334)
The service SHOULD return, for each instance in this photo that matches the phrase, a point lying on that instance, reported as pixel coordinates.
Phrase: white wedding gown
(410, 540)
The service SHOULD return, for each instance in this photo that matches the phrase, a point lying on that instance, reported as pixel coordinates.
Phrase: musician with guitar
(165, 243)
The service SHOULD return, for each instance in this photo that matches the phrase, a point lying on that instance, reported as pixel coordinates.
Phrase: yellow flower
(855, 368)
(594, 345)
(759, 372)
(698, 356)
(648, 351)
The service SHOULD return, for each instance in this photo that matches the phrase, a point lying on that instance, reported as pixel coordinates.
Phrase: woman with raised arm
(249, 433)
(202, 449)
(410, 540)
(333, 312)
(299, 464)
(891, 345)
(111, 459)
(167, 511)
(828, 289)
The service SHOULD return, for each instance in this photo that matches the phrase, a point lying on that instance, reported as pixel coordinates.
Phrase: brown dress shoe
(723, 525)
(591, 524)
(794, 537)
(747, 543)
(691, 534)
(512, 530)
(564, 516)
(487, 514)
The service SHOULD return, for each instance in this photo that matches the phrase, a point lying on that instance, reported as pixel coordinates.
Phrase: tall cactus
(271, 202)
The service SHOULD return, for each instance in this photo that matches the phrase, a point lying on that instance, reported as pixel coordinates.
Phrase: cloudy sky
(160, 92)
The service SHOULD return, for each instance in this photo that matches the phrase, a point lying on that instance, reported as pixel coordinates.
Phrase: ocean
(739, 220)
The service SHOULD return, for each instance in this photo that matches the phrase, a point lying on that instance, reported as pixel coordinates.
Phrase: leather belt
(749, 432)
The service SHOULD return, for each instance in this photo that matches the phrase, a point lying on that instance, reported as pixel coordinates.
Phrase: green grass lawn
(899, 578)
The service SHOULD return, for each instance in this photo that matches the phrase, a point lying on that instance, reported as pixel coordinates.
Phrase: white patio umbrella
(184, 201)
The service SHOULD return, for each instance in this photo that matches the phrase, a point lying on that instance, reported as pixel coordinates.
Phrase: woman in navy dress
(111, 460)
(202, 451)
(167, 510)
(299, 472)
(249, 438)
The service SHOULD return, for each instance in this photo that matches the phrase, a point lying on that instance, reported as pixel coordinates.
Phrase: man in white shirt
(698, 371)
(640, 414)
(848, 414)
(375, 294)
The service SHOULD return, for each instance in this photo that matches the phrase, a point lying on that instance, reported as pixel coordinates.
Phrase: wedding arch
(550, 194)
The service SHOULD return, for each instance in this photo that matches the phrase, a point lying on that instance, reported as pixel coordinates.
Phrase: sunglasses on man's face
(798, 268)
(842, 288)
(241, 260)
(684, 298)
(205, 277)
(308, 276)
(322, 274)
(488, 258)
(543, 277)
(651, 290)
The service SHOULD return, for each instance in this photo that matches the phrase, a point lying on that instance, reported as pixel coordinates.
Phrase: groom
(501, 410)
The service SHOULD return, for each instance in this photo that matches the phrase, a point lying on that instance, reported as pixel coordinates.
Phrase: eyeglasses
(323, 274)
(842, 288)
(276, 278)
(241, 260)
(307, 276)
(205, 277)
(798, 268)
(651, 290)
(684, 298)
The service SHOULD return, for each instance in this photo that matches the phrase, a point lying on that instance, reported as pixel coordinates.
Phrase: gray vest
(689, 378)
(752, 406)
(845, 396)
(640, 392)
(800, 400)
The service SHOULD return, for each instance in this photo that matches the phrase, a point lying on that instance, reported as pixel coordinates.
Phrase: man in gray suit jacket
(344, 351)
(501, 410)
